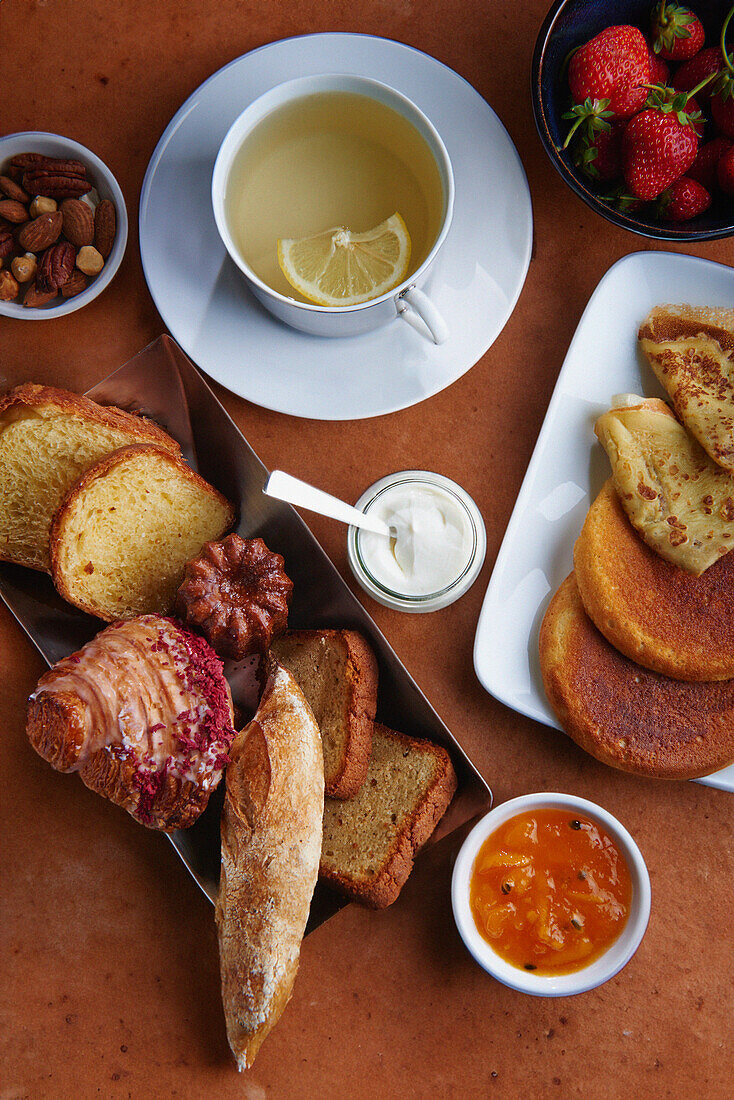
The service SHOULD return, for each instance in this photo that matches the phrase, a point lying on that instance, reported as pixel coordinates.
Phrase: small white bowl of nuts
(63, 226)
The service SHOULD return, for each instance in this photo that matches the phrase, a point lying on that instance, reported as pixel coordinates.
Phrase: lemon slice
(341, 268)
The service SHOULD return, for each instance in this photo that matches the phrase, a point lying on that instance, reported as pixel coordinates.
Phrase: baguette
(271, 839)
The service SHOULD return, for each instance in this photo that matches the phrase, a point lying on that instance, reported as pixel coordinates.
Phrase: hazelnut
(42, 205)
(89, 260)
(8, 287)
(24, 267)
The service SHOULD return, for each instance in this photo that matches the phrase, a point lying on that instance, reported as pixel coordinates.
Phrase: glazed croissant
(144, 714)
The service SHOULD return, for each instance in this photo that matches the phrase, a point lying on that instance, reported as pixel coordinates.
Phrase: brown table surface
(110, 974)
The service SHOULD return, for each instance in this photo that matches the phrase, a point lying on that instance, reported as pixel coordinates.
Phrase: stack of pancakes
(637, 645)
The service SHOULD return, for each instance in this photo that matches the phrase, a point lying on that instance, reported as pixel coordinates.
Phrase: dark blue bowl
(570, 23)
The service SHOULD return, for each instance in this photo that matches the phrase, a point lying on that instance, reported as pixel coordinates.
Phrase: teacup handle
(418, 310)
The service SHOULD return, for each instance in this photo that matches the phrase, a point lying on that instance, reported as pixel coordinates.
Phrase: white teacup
(406, 300)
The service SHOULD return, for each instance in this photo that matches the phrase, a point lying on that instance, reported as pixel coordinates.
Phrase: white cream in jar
(436, 548)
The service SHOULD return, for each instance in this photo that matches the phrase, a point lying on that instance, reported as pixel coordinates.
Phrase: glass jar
(466, 512)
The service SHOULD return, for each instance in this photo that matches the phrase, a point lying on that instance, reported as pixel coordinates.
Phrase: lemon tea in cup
(334, 160)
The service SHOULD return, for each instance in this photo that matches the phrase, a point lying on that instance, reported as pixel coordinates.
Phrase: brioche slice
(337, 672)
(123, 534)
(48, 438)
(370, 842)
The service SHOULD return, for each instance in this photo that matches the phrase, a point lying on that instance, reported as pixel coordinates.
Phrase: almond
(12, 189)
(35, 297)
(75, 284)
(78, 222)
(42, 232)
(55, 266)
(13, 211)
(105, 227)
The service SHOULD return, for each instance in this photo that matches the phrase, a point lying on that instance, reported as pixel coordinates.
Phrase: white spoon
(292, 490)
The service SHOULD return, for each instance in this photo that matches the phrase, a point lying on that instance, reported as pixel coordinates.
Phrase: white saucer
(203, 299)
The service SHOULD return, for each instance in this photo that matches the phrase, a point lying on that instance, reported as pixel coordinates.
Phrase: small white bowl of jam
(551, 895)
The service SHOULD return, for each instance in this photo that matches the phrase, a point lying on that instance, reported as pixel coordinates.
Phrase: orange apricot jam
(550, 891)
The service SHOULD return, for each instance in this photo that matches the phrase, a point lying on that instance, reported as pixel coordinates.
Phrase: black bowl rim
(588, 196)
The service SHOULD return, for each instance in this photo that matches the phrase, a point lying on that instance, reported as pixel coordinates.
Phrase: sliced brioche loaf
(370, 842)
(337, 672)
(125, 530)
(48, 438)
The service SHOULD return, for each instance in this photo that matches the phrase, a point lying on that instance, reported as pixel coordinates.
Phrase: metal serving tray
(162, 383)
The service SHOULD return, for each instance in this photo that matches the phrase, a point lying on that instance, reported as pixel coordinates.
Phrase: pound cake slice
(123, 534)
(337, 672)
(48, 438)
(371, 840)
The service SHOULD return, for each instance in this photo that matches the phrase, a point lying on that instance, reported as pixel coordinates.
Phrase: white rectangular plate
(569, 467)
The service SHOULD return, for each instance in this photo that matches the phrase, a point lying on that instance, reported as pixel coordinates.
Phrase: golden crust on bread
(655, 613)
(676, 497)
(691, 351)
(48, 438)
(371, 840)
(122, 536)
(271, 840)
(623, 714)
(337, 672)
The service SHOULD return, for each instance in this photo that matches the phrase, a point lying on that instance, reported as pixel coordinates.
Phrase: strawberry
(599, 155)
(658, 146)
(692, 72)
(613, 65)
(659, 70)
(703, 169)
(684, 199)
(725, 171)
(677, 33)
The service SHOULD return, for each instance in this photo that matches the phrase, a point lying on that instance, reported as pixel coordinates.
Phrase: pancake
(653, 612)
(691, 351)
(624, 715)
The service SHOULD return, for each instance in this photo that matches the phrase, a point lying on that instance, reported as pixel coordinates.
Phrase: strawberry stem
(722, 41)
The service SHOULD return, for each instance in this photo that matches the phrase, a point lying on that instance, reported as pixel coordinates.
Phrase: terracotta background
(110, 975)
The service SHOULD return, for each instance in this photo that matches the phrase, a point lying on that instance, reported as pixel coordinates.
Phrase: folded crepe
(691, 351)
(676, 497)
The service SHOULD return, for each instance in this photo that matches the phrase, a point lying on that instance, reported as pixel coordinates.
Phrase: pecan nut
(105, 227)
(7, 241)
(78, 222)
(55, 266)
(59, 186)
(37, 162)
(42, 232)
